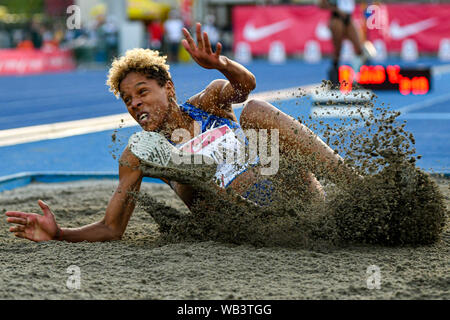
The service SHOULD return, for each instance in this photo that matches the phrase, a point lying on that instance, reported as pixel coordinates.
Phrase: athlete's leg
(352, 34)
(295, 138)
(337, 32)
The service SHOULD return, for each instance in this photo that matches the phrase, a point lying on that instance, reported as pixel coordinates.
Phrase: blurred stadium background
(59, 122)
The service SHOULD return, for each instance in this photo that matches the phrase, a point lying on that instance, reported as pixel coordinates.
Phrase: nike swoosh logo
(198, 146)
(399, 32)
(251, 33)
(212, 136)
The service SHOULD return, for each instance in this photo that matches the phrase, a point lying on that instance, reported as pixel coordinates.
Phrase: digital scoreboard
(407, 81)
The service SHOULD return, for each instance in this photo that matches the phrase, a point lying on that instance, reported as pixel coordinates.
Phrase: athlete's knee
(253, 104)
(251, 108)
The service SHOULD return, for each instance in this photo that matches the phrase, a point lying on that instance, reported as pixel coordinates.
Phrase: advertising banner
(32, 61)
(294, 26)
(426, 24)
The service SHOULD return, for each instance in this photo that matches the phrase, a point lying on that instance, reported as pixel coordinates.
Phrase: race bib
(223, 146)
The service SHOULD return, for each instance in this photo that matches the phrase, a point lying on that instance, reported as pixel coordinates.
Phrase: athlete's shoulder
(209, 99)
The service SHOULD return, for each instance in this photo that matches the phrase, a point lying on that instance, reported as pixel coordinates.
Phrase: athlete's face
(146, 101)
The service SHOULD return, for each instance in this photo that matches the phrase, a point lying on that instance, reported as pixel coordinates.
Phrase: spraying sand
(147, 265)
(387, 215)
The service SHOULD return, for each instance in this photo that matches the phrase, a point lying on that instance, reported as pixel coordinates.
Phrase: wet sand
(143, 265)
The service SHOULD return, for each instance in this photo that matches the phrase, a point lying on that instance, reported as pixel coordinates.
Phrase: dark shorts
(345, 18)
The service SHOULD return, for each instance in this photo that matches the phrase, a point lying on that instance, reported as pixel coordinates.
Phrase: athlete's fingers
(17, 229)
(189, 39)
(186, 32)
(200, 43)
(186, 46)
(16, 214)
(45, 208)
(207, 43)
(17, 220)
(218, 48)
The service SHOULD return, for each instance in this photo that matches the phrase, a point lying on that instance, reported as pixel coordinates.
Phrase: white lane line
(337, 96)
(340, 111)
(78, 127)
(64, 129)
(425, 103)
(442, 69)
(405, 111)
(426, 116)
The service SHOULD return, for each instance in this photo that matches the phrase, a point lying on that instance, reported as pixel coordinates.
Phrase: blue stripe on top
(209, 121)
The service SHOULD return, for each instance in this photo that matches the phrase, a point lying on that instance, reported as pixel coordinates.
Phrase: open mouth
(143, 117)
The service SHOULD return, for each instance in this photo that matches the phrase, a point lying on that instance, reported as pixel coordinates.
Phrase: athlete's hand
(202, 51)
(34, 226)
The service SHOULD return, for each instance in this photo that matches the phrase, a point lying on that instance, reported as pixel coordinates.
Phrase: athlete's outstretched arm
(220, 92)
(38, 227)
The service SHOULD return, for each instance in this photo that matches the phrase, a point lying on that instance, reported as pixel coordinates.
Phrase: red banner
(31, 61)
(292, 25)
(427, 24)
(259, 26)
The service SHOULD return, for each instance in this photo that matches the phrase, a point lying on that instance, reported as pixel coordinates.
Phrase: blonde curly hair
(144, 61)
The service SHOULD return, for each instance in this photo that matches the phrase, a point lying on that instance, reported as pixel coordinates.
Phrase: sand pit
(145, 265)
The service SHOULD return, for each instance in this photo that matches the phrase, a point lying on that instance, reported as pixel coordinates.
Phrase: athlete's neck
(177, 119)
